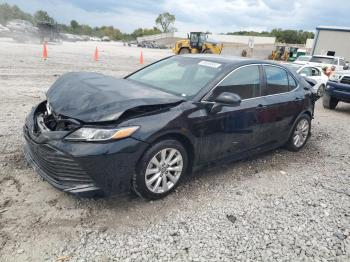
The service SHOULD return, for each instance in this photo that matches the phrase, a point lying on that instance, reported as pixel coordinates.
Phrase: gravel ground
(279, 206)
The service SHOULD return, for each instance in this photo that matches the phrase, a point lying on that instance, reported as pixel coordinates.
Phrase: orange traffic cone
(96, 54)
(45, 51)
(141, 58)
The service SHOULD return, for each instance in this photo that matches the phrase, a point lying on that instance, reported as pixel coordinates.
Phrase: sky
(217, 16)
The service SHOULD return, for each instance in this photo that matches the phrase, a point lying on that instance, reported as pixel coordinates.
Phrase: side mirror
(225, 99)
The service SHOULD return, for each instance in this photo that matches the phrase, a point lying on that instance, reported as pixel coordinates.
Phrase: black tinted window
(277, 80)
(244, 82)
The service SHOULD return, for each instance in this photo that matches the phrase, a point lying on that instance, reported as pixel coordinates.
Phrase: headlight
(334, 77)
(99, 134)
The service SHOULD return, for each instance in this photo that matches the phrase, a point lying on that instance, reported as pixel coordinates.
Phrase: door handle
(298, 98)
(260, 106)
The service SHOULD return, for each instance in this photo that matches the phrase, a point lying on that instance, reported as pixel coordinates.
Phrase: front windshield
(183, 76)
(322, 60)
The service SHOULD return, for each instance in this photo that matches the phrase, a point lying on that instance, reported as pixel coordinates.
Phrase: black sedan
(98, 134)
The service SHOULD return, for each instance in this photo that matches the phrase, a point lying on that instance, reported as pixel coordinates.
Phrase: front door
(233, 130)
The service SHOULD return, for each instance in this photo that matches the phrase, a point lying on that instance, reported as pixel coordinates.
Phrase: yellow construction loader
(197, 42)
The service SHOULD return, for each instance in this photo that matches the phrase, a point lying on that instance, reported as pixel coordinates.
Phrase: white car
(316, 73)
(313, 72)
(94, 38)
(303, 59)
(334, 62)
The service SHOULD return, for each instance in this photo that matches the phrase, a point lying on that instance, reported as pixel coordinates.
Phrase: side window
(277, 80)
(244, 82)
(292, 83)
(306, 71)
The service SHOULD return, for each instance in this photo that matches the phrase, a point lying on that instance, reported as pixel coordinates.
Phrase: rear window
(277, 80)
(322, 60)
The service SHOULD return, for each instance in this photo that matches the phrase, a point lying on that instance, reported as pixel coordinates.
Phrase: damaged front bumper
(82, 168)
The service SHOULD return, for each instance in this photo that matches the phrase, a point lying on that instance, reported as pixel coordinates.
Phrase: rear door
(283, 102)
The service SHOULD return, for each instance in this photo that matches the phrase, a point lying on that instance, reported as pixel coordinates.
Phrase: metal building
(330, 40)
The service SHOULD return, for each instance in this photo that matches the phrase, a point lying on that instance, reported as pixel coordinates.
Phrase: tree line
(164, 21)
(8, 12)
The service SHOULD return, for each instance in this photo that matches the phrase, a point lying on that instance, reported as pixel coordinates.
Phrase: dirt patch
(16, 160)
(9, 184)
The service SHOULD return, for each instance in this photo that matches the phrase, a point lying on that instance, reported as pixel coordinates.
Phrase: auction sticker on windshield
(209, 64)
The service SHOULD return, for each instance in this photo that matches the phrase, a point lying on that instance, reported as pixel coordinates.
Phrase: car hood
(93, 97)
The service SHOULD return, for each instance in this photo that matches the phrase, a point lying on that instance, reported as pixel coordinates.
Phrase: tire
(302, 130)
(207, 51)
(320, 91)
(184, 51)
(164, 175)
(329, 102)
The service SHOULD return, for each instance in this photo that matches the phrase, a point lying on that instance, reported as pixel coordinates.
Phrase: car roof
(327, 56)
(226, 59)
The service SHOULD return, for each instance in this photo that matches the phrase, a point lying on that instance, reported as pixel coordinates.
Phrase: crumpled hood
(92, 97)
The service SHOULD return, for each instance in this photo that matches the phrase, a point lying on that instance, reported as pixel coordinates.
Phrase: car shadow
(343, 108)
(130, 211)
(274, 160)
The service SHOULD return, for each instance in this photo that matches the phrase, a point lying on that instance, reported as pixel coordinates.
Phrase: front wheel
(160, 170)
(184, 51)
(300, 134)
(329, 102)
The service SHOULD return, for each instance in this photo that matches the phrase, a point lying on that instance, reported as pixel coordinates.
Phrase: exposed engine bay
(47, 120)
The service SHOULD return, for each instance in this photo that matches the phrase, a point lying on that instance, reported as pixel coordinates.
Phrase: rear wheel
(184, 51)
(300, 134)
(329, 102)
(207, 51)
(160, 170)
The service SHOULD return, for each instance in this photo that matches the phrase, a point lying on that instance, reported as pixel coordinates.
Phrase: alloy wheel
(301, 132)
(164, 170)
